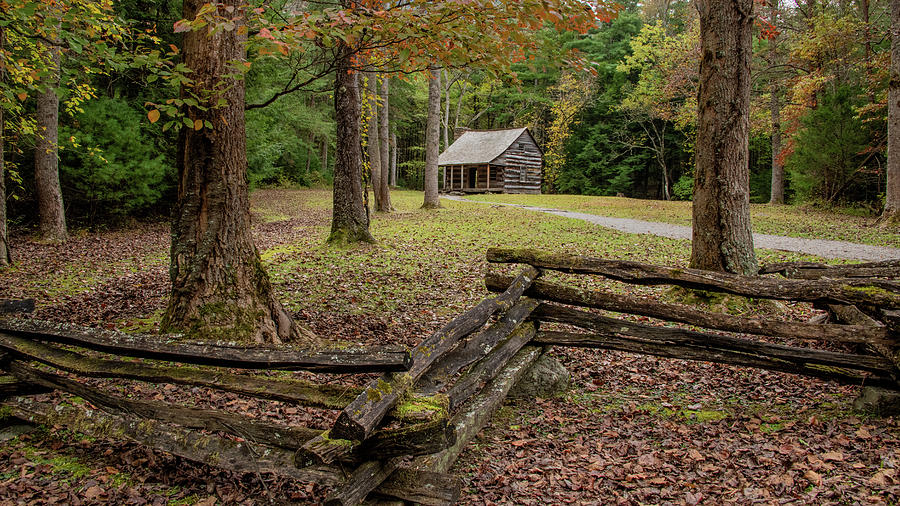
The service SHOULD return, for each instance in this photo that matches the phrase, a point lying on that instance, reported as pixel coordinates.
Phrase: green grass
(791, 221)
(434, 257)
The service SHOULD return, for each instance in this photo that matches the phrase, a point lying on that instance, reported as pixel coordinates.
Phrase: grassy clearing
(431, 257)
(791, 221)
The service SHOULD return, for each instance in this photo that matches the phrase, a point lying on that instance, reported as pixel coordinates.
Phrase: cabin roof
(479, 146)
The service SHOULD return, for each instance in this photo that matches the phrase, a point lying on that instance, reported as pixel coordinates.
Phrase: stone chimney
(459, 131)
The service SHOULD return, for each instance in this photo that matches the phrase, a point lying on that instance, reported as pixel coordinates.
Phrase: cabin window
(523, 174)
(522, 146)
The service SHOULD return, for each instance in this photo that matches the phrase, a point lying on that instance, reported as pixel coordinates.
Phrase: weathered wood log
(11, 386)
(379, 359)
(16, 306)
(217, 451)
(641, 306)
(707, 354)
(477, 412)
(868, 292)
(416, 439)
(488, 368)
(477, 346)
(407, 440)
(210, 449)
(193, 418)
(281, 389)
(361, 416)
(683, 351)
(852, 315)
(422, 487)
(366, 478)
(683, 337)
(812, 270)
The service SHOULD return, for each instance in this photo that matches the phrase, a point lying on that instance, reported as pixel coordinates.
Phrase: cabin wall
(522, 166)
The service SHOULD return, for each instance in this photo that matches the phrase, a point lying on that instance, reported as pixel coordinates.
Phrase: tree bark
(432, 140)
(891, 215)
(51, 212)
(350, 217)
(5, 254)
(393, 159)
(384, 141)
(776, 196)
(446, 117)
(722, 238)
(220, 289)
(373, 147)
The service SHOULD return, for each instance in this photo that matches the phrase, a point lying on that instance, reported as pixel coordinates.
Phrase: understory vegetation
(631, 428)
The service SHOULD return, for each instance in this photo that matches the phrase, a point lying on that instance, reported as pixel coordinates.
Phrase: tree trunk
(891, 215)
(384, 144)
(350, 218)
(722, 238)
(373, 147)
(446, 122)
(52, 218)
(393, 159)
(5, 255)
(777, 189)
(432, 140)
(324, 157)
(220, 289)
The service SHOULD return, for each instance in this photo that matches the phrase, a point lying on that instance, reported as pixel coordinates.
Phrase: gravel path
(818, 247)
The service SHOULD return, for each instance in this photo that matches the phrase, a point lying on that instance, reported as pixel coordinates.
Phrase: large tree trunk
(777, 187)
(5, 255)
(350, 217)
(219, 287)
(52, 218)
(432, 140)
(373, 147)
(722, 238)
(384, 144)
(891, 214)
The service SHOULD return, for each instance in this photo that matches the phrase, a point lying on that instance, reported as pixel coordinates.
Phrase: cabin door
(473, 177)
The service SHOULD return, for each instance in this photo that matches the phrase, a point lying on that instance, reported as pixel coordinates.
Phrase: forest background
(625, 124)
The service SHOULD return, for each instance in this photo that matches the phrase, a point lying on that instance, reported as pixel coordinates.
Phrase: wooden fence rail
(399, 436)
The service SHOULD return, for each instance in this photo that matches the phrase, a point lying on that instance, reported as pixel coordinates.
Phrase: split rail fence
(398, 436)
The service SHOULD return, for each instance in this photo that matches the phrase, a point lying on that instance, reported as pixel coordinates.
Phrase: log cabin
(501, 161)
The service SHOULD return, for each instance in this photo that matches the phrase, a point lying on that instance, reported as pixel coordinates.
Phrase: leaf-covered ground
(632, 429)
(791, 221)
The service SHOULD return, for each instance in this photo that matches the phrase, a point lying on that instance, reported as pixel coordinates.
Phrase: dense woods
(628, 126)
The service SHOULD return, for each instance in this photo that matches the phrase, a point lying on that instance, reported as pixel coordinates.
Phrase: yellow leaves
(153, 115)
(22, 96)
(570, 95)
(198, 124)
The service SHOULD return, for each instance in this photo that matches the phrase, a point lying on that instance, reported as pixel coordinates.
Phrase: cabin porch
(473, 178)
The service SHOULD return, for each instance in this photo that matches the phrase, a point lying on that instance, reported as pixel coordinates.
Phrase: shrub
(110, 164)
